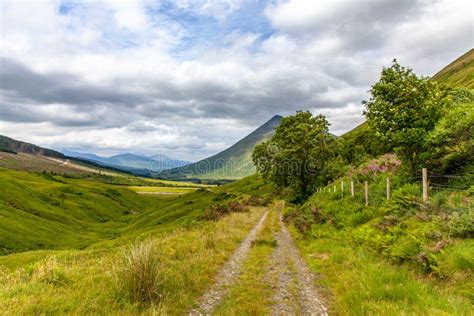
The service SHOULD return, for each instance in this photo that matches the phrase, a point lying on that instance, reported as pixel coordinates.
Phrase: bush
(215, 212)
(303, 218)
(258, 201)
(462, 224)
(237, 207)
(138, 272)
(405, 200)
(221, 196)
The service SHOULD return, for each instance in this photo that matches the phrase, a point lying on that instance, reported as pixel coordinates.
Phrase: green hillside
(233, 163)
(37, 208)
(63, 239)
(459, 73)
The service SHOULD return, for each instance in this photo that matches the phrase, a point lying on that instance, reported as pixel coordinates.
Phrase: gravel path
(293, 271)
(291, 280)
(228, 273)
(281, 278)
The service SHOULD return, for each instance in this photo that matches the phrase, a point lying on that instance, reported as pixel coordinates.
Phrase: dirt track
(294, 292)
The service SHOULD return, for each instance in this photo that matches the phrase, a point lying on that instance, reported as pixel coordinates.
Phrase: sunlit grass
(189, 259)
(360, 283)
(162, 190)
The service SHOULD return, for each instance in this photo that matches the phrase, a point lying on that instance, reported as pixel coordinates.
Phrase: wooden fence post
(388, 188)
(424, 172)
(352, 188)
(342, 189)
(366, 189)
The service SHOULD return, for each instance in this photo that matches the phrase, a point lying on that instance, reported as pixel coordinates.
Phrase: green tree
(402, 110)
(296, 155)
(451, 144)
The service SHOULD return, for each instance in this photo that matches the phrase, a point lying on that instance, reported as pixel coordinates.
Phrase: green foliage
(451, 145)
(297, 155)
(402, 110)
(358, 144)
(363, 283)
(461, 224)
(404, 200)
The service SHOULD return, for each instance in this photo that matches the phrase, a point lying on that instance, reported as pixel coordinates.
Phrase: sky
(189, 78)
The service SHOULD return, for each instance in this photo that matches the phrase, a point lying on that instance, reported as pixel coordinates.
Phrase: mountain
(131, 162)
(86, 156)
(21, 156)
(459, 73)
(8, 144)
(233, 163)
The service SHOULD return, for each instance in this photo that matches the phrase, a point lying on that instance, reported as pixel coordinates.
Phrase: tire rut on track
(228, 273)
(293, 284)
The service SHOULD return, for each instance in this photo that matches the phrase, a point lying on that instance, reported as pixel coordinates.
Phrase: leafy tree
(402, 110)
(297, 154)
(359, 144)
(451, 144)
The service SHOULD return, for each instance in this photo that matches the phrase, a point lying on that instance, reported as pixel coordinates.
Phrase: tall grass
(138, 272)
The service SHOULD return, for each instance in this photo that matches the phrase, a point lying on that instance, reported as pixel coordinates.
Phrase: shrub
(138, 272)
(462, 224)
(405, 248)
(237, 207)
(221, 196)
(258, 201)
(215, 212)
(405, 200)
(384, 163)
(429, 262)
(303, 218)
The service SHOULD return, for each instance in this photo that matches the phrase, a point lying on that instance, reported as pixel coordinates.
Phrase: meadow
(65, 242)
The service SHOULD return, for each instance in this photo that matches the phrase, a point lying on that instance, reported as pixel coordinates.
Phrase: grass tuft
(49, 271)
(138, 273)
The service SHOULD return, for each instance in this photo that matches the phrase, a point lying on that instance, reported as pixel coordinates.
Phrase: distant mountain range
(234, 162)
(131, 162)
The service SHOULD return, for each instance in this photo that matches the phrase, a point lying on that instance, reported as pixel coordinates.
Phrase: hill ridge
(234, 162)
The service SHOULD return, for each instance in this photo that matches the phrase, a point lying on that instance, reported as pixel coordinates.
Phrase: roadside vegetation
(399, 254)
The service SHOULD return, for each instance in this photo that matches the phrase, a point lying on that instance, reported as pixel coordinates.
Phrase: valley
(289, 220)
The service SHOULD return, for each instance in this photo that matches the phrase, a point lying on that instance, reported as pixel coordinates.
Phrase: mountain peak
(276, 117)
(232, 163)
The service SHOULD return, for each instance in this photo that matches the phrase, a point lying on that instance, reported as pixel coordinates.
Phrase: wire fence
(429, 183)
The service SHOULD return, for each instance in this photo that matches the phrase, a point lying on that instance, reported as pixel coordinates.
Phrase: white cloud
(129, 14)
(124, 76)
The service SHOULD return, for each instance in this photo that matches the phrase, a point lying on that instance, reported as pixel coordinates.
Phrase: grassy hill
(233, 163)
(459, 73)
(65, 240)
(37, 208)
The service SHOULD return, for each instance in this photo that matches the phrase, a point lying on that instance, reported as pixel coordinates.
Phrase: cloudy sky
(188, 78)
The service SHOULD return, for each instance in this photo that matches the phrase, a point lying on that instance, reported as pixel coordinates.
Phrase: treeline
(426, 124)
